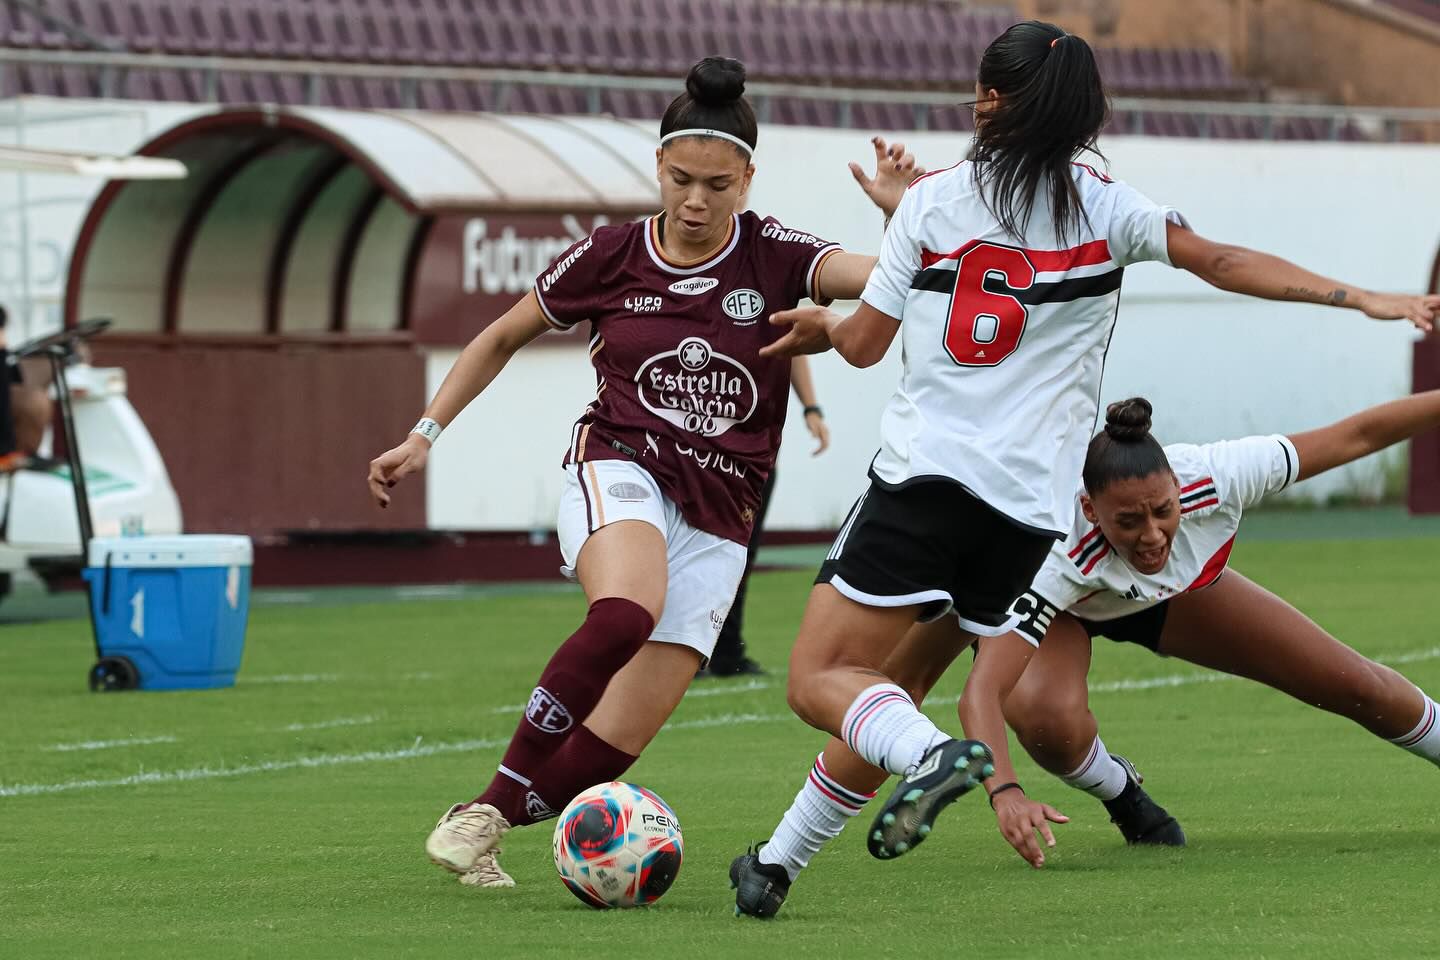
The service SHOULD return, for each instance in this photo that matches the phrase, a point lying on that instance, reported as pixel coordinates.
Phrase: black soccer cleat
(1141, 820)
(948, 772)
(760, 888)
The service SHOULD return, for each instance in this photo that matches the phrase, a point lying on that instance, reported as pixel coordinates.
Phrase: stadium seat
(902, 44)
(882, 117)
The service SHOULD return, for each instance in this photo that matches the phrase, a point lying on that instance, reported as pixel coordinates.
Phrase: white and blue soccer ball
(618, 845)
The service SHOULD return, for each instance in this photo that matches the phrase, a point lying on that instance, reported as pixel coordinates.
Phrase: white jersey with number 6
(1004, 338)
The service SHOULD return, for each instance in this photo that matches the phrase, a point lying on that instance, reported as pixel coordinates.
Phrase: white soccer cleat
(487, 872)
(466, 835)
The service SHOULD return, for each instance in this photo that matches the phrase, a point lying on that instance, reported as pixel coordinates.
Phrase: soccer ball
(618, 845)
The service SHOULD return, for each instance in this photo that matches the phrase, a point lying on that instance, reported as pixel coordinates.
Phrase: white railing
(1382, 123)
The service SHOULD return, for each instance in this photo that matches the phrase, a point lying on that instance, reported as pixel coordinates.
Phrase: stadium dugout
(282, 299)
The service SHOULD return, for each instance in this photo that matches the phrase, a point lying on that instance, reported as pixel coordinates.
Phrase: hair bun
(1128, 421)
(716, 81)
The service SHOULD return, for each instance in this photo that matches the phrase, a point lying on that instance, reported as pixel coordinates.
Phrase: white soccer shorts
(704, 570)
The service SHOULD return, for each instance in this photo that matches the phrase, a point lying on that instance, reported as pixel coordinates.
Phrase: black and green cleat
(948, 771)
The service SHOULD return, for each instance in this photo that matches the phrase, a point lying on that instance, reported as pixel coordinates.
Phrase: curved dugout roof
(303, 221)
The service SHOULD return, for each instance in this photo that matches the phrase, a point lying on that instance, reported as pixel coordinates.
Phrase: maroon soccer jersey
(681, 387)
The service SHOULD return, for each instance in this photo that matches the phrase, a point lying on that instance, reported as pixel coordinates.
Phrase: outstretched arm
(843, 276)
(1365, 433)
(999, 662)
(861, 338)
(1242, 270)
(480, 362)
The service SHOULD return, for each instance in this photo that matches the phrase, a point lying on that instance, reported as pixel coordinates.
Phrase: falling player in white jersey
(1005, 270)
(1146, 563)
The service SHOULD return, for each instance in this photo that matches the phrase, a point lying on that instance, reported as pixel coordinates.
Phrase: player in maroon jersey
(665, 468)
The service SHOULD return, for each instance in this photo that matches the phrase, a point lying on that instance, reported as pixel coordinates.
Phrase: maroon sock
(571, 685)
(581, 762)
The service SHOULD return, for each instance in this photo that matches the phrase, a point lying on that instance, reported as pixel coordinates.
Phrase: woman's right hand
(395, 464)
(1020, 818)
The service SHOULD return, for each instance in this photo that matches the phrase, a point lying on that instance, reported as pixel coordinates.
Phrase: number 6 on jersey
(985, 325)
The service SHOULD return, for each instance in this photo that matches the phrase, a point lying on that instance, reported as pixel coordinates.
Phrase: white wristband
(427, 428)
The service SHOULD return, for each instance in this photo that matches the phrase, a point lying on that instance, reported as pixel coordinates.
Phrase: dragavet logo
(694, 286)
(743, 306)
(546, 713)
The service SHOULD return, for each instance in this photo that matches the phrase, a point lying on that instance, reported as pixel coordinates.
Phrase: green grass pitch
(286, 817)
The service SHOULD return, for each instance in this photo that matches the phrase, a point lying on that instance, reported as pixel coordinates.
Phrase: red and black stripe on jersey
(1092, 548)
(941, 279)
(1198, 495)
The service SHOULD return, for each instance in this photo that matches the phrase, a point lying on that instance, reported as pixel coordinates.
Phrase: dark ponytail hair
(714, 99)
(1125, 448)
(1052, 107)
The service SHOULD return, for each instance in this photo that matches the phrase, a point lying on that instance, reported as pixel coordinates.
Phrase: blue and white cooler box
(175, 606)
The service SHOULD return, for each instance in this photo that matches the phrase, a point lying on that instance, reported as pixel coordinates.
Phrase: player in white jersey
(1145, 562)
(1003, 273)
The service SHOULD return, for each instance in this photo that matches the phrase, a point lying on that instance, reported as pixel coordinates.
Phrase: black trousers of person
(8, 374)
(730, 647)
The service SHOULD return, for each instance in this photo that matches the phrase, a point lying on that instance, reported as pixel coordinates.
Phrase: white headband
(697, 132)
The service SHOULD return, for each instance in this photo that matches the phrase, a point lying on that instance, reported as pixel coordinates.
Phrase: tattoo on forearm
(1335, 298)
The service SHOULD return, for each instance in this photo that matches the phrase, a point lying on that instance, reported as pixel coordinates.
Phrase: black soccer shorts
(1143, 627)
(934, 543)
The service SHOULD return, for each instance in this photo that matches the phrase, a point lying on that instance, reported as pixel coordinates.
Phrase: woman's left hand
(815, 423)
(895, 170)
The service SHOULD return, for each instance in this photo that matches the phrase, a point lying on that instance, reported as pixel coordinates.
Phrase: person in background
(730, 658)
(11, 457)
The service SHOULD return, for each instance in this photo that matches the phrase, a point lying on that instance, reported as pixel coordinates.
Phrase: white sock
(820, 811)
(884, 728)
(1424, 740)
(1100, 776)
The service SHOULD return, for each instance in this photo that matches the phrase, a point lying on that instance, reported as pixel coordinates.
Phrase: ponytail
(1052, 107)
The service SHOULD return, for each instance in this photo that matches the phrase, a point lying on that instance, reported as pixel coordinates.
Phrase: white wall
(40, 214)
(1214, 365)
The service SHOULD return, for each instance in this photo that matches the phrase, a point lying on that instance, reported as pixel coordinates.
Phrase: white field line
(330, 677)
(1185, 679)
(328, 724)
(750, 686)
(466, 746)
(281, 596)
(429, 592)
(416, 750)
(107, 744)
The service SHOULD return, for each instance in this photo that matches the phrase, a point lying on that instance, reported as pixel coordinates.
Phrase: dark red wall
(1425, 449)
(272, 438)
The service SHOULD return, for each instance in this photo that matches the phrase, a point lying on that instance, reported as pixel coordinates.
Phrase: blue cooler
(175, 607)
